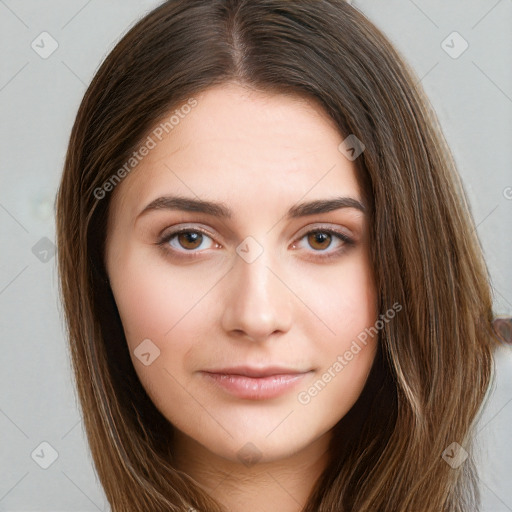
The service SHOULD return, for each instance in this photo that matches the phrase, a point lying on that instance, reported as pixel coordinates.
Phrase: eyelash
(163, 242)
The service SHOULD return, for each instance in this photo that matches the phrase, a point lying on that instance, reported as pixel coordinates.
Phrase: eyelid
(173, 230)
(337, 231)
(327, 227)
(307, 229)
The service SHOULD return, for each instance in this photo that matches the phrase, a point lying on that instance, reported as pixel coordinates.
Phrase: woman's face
(242, 328)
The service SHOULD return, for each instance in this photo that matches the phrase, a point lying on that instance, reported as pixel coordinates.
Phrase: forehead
(238, 144)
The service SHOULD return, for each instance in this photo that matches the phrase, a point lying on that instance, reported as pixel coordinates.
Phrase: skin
(259, 154)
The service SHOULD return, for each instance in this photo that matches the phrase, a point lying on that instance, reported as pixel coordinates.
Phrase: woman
(226, 356)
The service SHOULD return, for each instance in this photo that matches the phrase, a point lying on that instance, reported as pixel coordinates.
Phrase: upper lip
(248, 371)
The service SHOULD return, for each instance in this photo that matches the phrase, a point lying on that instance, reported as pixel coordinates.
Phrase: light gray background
(472, 95)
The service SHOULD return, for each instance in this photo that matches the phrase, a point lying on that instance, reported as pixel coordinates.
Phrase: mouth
(256, 383)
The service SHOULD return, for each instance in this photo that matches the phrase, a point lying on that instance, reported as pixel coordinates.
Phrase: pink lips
(255, 384)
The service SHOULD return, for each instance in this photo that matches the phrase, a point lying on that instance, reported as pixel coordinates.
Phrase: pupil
(320, 238)
(191, 238)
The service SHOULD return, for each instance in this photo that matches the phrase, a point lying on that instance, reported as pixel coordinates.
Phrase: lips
(255, 383)
(254, 372)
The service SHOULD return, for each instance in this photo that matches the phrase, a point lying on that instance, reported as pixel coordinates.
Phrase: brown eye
(190, 239)
(322, 244)
(187, 242)
(319, 240)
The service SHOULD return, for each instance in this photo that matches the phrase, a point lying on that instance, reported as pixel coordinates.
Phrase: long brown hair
(434, 365)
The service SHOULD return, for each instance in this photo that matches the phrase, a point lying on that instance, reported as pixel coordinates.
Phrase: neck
(283, 485)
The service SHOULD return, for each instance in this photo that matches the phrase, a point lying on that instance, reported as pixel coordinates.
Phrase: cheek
(343, 337)
(153, 299)
(164, 306)
(345, 302)
(171, 308)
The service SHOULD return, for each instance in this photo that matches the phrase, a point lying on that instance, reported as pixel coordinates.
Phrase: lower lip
(256, 388)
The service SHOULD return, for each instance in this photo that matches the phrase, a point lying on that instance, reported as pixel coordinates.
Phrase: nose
(258, 302)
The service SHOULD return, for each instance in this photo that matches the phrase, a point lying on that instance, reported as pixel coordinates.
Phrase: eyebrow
(217, 209)
(221, 210)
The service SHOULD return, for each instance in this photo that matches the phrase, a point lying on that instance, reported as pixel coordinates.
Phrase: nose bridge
(255, 276)
(251, 265)
(258, 303)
